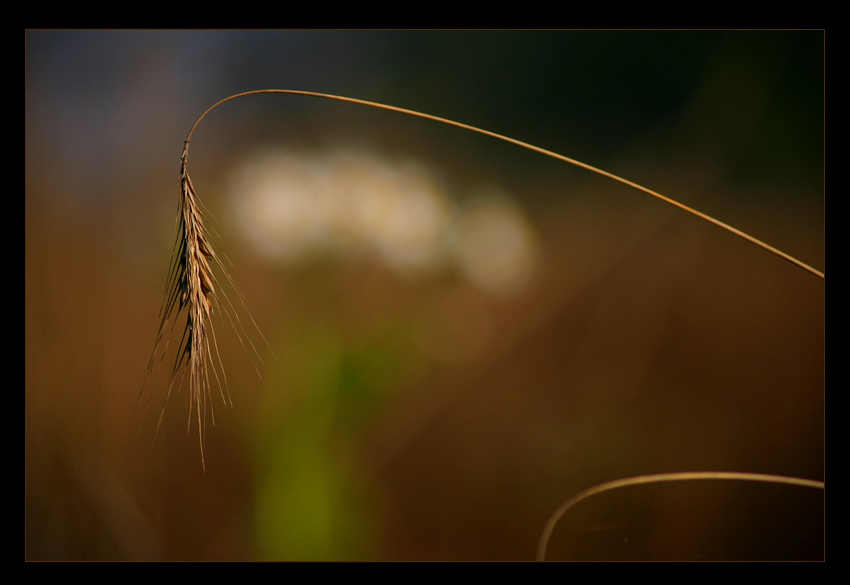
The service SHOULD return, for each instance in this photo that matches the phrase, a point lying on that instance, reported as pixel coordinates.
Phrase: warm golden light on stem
(561, 157)
(662, 477)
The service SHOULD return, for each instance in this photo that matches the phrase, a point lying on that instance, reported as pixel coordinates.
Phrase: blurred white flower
(291, 204)
(496, 247)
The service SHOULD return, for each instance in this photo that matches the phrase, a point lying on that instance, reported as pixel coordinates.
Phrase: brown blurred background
(461, 334)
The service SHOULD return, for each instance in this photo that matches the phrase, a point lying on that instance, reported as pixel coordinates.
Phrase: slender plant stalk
(191, 282)
(662, 477)
(561, 157)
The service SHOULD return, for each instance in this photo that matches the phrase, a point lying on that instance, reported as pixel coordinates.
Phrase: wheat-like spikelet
(192, 283)
(191, 286)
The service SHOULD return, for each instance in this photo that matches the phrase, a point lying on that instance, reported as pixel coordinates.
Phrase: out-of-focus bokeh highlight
(441, 337)
(294, 206)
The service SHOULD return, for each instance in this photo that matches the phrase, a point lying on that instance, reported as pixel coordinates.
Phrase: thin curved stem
(561, 157)
(661, 477)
